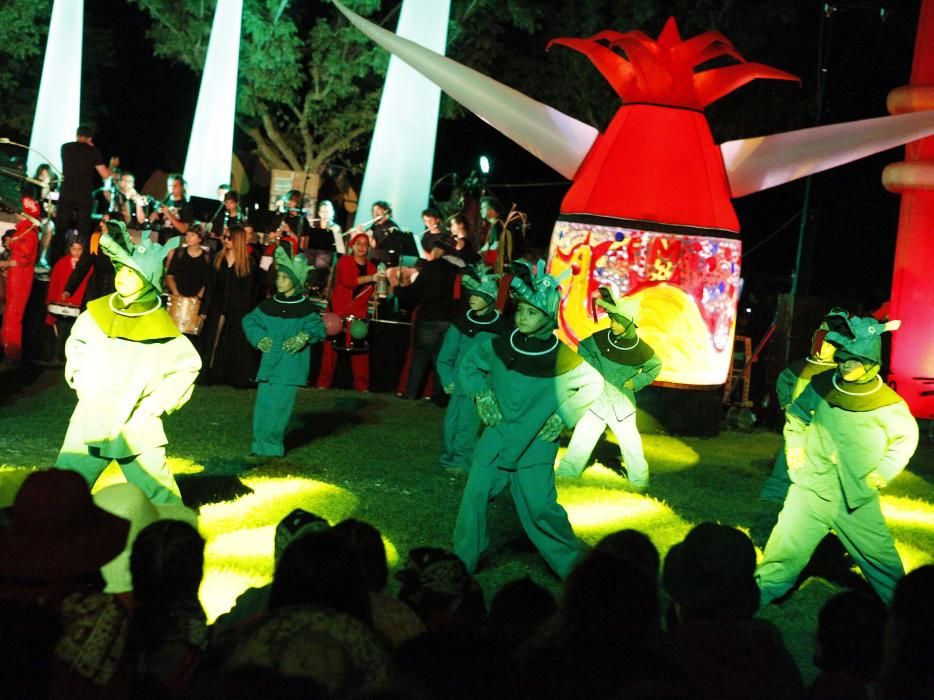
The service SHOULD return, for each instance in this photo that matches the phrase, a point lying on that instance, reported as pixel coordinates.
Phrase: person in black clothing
(125, 202)
(101, 281)
(458, 228)
(233, 292)
(81, 161)
(433, 292)
(433, 231)
(189, 267)
(383, 224)
(176, 211)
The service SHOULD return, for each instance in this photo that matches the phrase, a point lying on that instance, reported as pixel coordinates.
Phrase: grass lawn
(373, 457)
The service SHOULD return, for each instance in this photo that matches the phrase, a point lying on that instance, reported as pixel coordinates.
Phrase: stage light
(484, 165)
(401, 158)
(210, 150)
(59, 101)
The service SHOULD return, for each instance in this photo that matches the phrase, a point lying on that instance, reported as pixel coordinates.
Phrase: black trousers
(426, 344)
(72, 213)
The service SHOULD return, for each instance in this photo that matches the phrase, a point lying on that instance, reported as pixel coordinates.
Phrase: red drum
(185, 312)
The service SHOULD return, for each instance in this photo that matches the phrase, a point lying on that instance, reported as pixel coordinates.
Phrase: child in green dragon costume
(283, 328)
(129, 365)
(461, 421)
(627, 364)
(527, 386)
(846, 436)
(791, 382)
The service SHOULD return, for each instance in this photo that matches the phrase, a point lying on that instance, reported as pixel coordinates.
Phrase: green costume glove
(488, 408)
(876, 480)
(449, 388)
(552, 428)
(295, 343)
(264, 344)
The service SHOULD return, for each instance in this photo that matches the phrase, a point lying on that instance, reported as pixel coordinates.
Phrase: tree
(24, 30)
(309, 83)
(25, 26)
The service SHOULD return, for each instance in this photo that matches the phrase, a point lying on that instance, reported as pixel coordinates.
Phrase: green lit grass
(373, 457)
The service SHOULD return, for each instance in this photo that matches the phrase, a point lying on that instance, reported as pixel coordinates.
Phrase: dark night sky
(854, 221)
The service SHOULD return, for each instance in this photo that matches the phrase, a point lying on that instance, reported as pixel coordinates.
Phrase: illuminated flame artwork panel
(688, 287)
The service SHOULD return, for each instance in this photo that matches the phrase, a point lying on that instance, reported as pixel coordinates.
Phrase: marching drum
(185, 312)
(64, 310)
(353, 337)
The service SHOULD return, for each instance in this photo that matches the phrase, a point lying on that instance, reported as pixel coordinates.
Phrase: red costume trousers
(18, 286)
(359, 365)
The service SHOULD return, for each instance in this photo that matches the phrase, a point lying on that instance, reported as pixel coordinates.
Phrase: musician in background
(23, 245)
(354, 284)
(433, 231)
(227, 217)
(326, 221)
(458, 228)
(81, 164)
(176, 211)
(290, 212)
(188, 273)
(40, 192)
(432, 293)
(491, 211)
(383, 225)
(232, 214)
(126, 203)
(60, 323)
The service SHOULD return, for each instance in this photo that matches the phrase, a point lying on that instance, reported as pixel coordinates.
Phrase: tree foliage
(24, 30)
(309, 83)
(24, 26)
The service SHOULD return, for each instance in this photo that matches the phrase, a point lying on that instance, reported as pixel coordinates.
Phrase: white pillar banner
(402, 152)
(211, 146)
(59, 103)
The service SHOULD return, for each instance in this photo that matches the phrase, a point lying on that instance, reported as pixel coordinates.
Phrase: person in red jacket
(354, 278)
(56, 300)
(20, 267)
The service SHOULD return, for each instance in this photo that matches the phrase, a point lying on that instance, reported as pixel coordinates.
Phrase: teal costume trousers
(542, 517)
(461, 432)
(804, 521)
(776, 486)
(271, 414)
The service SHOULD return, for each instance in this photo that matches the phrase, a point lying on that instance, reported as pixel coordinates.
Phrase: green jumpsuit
(532, 379)
(280, 372)
(618, 362)
(461, 421)
(791, 382)
(852, 435)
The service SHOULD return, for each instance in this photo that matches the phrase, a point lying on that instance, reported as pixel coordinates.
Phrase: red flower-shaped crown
(662, 72)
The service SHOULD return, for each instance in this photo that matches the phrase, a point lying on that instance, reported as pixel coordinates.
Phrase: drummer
(189, 271)
(354, 283)
(63, 311)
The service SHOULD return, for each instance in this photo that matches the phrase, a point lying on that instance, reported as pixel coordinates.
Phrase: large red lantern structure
(648, 211)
